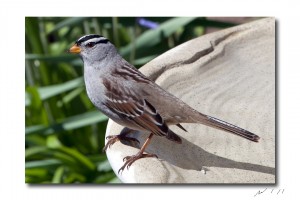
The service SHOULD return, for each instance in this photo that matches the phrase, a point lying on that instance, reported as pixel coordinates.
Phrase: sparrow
(129, 98)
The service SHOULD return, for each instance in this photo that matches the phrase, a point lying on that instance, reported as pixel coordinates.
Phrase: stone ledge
(229, 74)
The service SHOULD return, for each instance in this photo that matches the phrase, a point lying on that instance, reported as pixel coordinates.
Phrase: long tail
(222, 125)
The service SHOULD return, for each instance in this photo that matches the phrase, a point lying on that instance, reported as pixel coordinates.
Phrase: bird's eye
(90, 44)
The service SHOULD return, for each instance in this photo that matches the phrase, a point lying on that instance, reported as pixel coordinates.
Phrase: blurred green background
(64, 133)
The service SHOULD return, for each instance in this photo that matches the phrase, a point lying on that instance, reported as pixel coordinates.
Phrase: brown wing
(133, 107)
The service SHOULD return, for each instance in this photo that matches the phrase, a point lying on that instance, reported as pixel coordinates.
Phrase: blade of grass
(42, 163)
(58, 175)
(155, 36)
(53, 90)
(70, 123)
(50, 58)
(68, 22)
(35, 150)
(54, 143)
(70, 96)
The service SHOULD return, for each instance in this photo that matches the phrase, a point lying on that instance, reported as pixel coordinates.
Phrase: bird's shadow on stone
(190, 156)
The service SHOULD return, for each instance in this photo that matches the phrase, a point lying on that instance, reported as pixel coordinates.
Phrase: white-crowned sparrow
(132, 100)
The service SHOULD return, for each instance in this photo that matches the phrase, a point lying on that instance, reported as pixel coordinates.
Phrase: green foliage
(64, 133)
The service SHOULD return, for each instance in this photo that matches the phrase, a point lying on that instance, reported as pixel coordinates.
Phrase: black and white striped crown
(92, 38)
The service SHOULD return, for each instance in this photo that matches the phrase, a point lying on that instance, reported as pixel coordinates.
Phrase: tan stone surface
(230, 75)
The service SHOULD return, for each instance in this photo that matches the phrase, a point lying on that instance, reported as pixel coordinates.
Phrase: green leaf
(155, 36)
(115, 180)
(54, 143)
(58, 175)
(36, 172)
(49, 91)
(104, 178)
(69, 97)
(68, 22)
(72, 177)
(33, 96)
(70, 123)
(144, 60)
(51, 58)
(42, 163)
(32, 31)
(35, 150)
(79, 157)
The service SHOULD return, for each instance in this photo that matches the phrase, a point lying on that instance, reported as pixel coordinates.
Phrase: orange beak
(75, 49)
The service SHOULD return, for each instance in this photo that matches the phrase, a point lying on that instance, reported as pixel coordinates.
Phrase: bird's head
(92, 48)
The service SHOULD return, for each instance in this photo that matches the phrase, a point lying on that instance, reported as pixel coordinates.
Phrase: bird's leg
(131, 159)
(122, 136)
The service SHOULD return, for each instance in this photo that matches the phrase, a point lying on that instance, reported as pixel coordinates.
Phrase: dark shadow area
(195, 157)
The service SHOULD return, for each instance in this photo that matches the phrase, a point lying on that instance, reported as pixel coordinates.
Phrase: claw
(129, 160)
(125, 158)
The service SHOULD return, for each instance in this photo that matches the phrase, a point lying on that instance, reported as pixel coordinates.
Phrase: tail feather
(219, 124)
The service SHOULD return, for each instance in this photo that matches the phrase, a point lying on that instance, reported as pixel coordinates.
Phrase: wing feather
(134, 108)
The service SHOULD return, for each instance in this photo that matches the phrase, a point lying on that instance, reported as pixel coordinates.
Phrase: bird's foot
(131, 159)
(114, 138)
